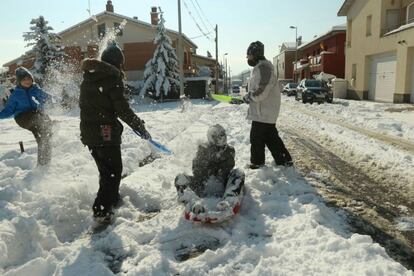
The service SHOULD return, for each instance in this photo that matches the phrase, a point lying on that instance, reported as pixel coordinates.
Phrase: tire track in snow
(392, 140)
(371, 206)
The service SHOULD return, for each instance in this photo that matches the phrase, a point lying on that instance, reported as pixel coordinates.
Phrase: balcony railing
(300, 64)
(315, 60)
(388, 29)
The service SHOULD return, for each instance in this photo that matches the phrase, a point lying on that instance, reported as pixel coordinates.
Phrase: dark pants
(40, 125)
(109, 162)
(261, 135)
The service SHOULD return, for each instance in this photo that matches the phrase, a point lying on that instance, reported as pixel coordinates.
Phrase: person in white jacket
(263, 98)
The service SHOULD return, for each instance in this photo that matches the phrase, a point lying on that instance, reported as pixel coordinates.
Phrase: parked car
(235, 89)
(290, 89)
(310, 91)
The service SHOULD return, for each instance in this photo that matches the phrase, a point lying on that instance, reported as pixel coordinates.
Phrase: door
(382, 78)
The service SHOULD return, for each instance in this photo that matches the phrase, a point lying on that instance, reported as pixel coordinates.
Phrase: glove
(247, 98)
(145, 134)
(142, 131)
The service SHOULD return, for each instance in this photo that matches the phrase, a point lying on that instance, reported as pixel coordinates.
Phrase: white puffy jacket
(264, 92)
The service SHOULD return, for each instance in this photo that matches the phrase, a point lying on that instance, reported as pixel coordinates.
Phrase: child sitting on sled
(213, 173)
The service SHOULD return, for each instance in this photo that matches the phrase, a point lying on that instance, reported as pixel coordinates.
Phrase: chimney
(154, 16)
(109, 6)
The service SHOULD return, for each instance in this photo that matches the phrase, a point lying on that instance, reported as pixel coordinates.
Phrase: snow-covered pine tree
(161, 75)
(45, 45)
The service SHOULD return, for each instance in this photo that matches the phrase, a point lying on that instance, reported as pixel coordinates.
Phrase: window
(313, 83)
(349, 33)
(118, 30)
(410, 13)
(101, 30)
(393, 20)
(369, 25)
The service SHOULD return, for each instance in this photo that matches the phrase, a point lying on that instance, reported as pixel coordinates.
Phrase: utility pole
(217, 65)
(229, 78)
(296, 52)
(224, 72)
(180, 50)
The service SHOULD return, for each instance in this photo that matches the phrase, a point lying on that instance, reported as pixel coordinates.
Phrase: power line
(195, 21)
(199, 15)
(194, 37)
(211, 25)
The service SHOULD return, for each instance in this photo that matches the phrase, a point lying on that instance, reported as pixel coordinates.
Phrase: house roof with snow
(95, 18)
(288, 46)
(119, 16)
(204, 57)
(338, 28)
(343, 11)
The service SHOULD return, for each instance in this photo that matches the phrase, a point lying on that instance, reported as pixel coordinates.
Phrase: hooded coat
(264, 92)
(101, 103)
(212, 160)
(23, 100)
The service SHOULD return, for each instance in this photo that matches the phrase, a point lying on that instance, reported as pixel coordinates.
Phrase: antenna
(89, 7)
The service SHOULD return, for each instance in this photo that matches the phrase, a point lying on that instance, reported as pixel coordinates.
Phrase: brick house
(283, 62)
(325, 53)
(136, 39)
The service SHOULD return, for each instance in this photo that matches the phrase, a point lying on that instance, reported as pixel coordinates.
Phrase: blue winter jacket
(22, 100)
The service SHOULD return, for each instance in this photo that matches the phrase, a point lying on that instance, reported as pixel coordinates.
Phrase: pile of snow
(283, 228)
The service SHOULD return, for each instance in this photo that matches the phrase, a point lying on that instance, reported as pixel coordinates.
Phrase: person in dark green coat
(101, 103)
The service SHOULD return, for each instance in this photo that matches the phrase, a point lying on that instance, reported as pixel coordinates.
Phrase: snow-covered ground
(353, 146)
(382, 117)
(284, 227)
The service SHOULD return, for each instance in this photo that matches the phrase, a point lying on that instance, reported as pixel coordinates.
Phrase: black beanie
(21, 73)
(256, 49)
(113, 54)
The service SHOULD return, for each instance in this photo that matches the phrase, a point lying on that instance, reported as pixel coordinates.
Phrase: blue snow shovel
(157, 145)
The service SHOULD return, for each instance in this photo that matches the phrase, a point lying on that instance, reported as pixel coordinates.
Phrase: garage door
(382, 78)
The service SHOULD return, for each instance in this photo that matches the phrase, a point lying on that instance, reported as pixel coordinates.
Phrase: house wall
(331, 63)
(362, 48)
(285, 62)
(136, 41)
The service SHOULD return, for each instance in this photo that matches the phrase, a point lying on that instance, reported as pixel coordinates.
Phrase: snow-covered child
(26, 105)
(213, 172)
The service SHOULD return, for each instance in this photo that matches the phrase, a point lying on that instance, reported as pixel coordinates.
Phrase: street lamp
(225, 72)
(296, 49)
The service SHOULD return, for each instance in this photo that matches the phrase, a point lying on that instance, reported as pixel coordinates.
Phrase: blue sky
(240, 21)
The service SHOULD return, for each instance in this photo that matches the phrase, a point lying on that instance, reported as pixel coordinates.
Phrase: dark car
(235, 89)
(290, 89)
(310, 91)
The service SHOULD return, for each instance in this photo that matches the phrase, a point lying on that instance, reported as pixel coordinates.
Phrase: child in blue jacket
(26, 105)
